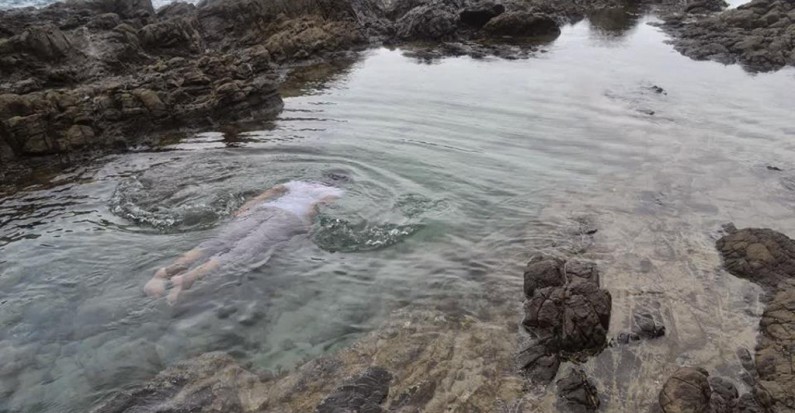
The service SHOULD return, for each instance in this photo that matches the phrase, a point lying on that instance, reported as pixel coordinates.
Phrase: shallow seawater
(459, 170)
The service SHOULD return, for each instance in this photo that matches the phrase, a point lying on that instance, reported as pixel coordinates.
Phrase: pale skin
(177, 272)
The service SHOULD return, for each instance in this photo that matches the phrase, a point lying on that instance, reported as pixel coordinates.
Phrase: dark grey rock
(566, 314)
(577, 394)
(687, 391)
(362, 394)
(522, 24)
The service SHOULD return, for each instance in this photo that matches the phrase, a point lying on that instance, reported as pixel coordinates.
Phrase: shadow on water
(614, 24)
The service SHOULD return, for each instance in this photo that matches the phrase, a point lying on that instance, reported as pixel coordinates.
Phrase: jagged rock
(427, 23)
(687, 391)
(760, 34)
(46, 42)
(180, 34)
(522, 24)
(363, 393)
(705, 6)
(566, 313)
(576, 394)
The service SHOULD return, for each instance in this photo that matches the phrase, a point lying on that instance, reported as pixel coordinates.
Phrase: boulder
(686, 391)
(522, 24)
(761, 255)
(427, 23)
(566, 314)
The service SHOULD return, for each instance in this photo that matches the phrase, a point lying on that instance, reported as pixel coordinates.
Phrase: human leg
(156, 287)
(185, 280)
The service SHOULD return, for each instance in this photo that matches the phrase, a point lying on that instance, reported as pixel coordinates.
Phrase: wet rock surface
(760, 255)
(418, 361)
(109, 74)
(567, 315)
(760, 35)
(767, 258)
(687, 391)
(577, 394)
(363, 393)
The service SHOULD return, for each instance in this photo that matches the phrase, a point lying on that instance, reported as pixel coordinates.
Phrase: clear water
(460, 169)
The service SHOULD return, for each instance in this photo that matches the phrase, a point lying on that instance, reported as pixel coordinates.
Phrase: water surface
(460, 170)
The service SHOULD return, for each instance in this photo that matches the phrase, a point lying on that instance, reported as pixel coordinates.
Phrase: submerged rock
(576, 394)
(363, 393)
(212, 382)
(566, 314)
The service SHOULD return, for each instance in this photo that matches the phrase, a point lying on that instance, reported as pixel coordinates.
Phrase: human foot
(156, 287)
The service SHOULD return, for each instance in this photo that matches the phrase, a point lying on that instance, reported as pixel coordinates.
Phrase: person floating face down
(259, 227)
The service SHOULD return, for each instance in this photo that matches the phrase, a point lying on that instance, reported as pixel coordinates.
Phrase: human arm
(274, 192)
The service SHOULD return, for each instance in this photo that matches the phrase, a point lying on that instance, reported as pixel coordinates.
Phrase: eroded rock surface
(566, 314)
(687, 391)
(767, 258)
(577, 394)
(760, 35)
(419, 361)
(105, 73)
(363, 393)
(760, 255)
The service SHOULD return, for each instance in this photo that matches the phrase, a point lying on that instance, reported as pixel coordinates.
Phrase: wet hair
(336, 177)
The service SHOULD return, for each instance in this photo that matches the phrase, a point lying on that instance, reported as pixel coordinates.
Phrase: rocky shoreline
(110, 74)
(107, 74)
(759, 35)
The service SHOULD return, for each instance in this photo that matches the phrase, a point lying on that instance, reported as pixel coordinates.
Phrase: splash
(339, 235)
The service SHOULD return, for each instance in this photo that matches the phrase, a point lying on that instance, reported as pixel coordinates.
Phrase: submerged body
(260, 227)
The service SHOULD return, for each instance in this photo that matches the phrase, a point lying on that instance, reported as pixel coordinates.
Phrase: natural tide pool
(461, 169)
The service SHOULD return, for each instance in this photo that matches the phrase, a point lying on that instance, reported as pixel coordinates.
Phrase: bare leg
(156, 287)
(185, 281)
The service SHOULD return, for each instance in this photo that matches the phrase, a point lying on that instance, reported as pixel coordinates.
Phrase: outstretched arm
(274, 192)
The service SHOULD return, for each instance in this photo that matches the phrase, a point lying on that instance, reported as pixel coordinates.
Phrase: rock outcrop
(109, 73)
(104, 74)
(767, 258)
(566, 314)
(760, 35)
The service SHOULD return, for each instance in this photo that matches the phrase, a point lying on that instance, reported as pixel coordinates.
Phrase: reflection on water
(459, 170)
(614, 23)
